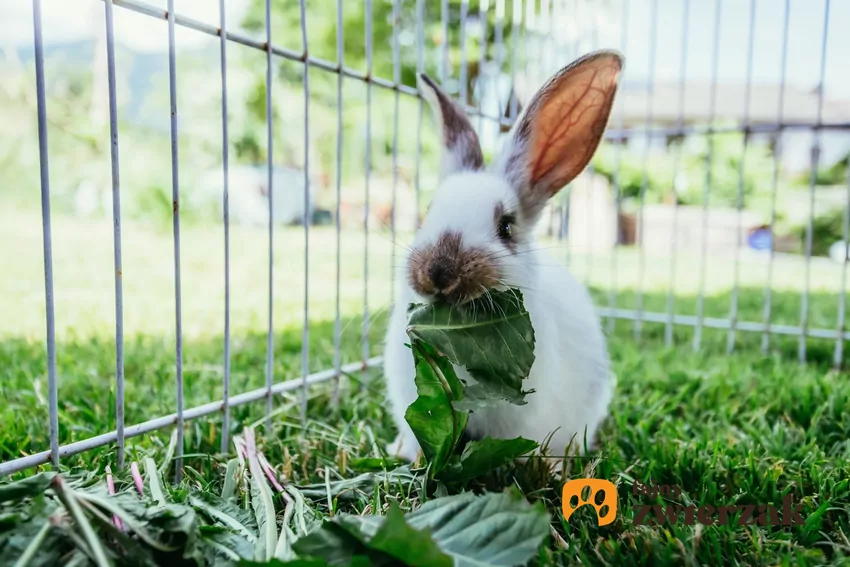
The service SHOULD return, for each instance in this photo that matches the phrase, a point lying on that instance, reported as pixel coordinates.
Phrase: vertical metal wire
(225, 158)
(497, 68)
(464, 70)
(305, 337)
(530, 29)
(591, 169)
(53, 398)
(816, 149)
(768, 286)
(592, 182)
(838, 357)
(269, 160)
(498, 59)
(368, 172)
(612, 293)
(543, 43)
(337, 319)
(516, 20)
(653, 26)
(708, 163)
(483, 9)
(683, 75)
(394, 203)
(116, 236)
(175, 197)
(420, 68)
(733, 308)
(444, 57)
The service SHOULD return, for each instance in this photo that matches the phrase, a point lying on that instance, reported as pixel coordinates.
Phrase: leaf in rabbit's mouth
(492, 337)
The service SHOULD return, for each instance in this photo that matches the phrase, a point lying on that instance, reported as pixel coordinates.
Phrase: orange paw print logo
(601, 494)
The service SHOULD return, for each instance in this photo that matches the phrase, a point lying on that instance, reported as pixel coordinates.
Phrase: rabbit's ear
(461, 149)
(557, 135)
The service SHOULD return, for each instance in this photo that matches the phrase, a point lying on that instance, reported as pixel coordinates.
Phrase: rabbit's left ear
(557, 135)
(461, 149)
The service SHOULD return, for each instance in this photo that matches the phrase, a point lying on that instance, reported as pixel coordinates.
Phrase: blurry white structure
(90, 199)
(839, 252)
(248, 194)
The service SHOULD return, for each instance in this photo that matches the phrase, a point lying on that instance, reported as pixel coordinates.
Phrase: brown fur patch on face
(449, 271)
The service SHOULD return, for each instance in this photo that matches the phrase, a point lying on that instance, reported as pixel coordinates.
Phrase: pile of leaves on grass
(258, 518)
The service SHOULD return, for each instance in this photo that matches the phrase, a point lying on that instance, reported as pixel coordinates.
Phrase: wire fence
(533, 23)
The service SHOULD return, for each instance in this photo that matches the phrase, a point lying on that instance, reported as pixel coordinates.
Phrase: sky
(66, 20)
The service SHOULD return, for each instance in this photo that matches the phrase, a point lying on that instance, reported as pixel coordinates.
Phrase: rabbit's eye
(506, 224)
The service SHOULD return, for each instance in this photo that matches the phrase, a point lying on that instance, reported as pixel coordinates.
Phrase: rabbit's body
(570, 376)
(479, 235)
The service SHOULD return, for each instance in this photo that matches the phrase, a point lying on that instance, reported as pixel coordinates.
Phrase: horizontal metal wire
(722, 323)
(335, 67)
(286, 53)
(169, 420)
(329, 374)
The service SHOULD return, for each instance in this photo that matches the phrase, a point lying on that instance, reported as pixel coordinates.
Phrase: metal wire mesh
(528, 19)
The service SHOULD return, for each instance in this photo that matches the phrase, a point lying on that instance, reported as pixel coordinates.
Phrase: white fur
(571, 377)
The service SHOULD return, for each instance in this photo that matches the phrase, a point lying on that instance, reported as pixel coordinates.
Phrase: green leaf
(225, 513)
(492, 529)
(464, 530)
(262, 502)
(66, 495)
(374, 463)
(223, 543)
(352, 488)
(301, 562)
(229, 488)
(480, 457)
(400, 541)
(488, 395)
(154, 482)
(179, 527)
(491, 336)
(436, 425)
(26, 488)
(336, 546)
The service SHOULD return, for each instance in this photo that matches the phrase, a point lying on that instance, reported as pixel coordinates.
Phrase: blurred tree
(387, 31)
(689, 158)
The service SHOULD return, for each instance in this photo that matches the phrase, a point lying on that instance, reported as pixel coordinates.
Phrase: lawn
(743, 429)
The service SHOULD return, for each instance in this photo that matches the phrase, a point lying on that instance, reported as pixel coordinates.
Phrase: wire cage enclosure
(721, 184)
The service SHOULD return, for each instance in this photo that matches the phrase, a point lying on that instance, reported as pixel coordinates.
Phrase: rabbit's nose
(443, 276)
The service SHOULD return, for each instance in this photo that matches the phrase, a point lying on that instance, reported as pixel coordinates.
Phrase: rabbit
(478, 235)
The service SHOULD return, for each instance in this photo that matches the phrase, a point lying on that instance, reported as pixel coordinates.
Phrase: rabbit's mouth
(448, 272)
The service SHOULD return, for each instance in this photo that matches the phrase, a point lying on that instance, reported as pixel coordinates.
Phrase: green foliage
(835, 174)
(827, 229)
(437, 426)
(656, 171)
(493, 338)
(463, 530)
(49, 516)
(744, 429)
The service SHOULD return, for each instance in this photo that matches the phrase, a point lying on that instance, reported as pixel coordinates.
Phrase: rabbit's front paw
(404, 447)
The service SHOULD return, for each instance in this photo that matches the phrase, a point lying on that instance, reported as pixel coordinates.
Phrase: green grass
(741, 429)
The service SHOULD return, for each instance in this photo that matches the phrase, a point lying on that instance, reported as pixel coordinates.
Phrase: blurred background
(667, 220)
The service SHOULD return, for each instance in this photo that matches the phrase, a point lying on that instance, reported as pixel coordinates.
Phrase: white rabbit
(479, 235)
